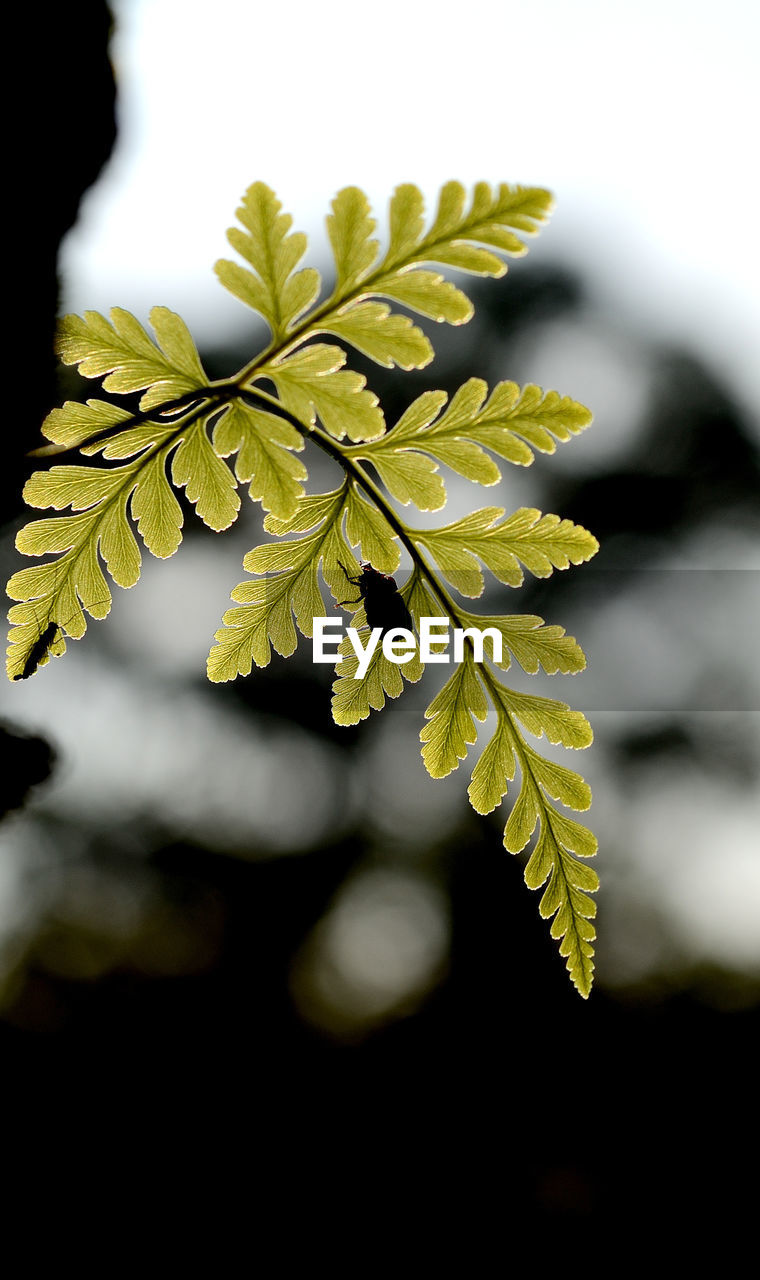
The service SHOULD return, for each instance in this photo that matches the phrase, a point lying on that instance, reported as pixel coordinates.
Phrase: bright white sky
(642, 118)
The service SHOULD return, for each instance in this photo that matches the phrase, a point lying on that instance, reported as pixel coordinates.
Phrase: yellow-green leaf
(428, 293)
(565, 898)
(495, 768)
(270, 288)
(122, 349)
(547, 716)
(350, 227)
(263, 443)
(312, 382)
(451, 726)
(156, 510)
(559, 782)
(367, 528)
(525, 814)
(387, 338)
(209, 484)
(533, 644)
(263, 618)
(353, 699)
(74, 423)
(540, 543)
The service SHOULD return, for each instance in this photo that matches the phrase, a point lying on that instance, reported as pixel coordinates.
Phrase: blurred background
(218, 911)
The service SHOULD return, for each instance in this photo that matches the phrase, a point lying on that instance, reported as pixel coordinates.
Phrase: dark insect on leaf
(42, 646)
(383, 604)
(38, 651)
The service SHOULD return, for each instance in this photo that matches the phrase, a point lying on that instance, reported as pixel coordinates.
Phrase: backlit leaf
(263, 617)
(270, 287)
(123, 350)
(264, 444)
(451, 728)
(313, 383)
(540, 543)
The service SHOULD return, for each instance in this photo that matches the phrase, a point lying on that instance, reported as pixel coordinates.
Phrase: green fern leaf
(524, 817)
(63, 590)
(410, 477)
(570, 882)
(312, 510)
(428, 293)
(560, 837)
(77, 487)
(455, 239)
(566, 895)
(469, 425)
(312, 382)
(156, 510)
(321, 400)
(388, 339)
(209, 484)
(495, 768)
(74, 423)
(124, 351)
(493, 218)
(270, 288)
(533, 644)
(456, 547)
(515, 421)
(559, 722)
(264, 444)
(354, 699)
(541, 543)
(350, 227)
(559, 782)
(57, 592)
(407, 224)
(451, 727)
(263, 618)
(367, 528)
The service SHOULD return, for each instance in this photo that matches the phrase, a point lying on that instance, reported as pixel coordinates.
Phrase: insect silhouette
(383, 604)
(40, 650)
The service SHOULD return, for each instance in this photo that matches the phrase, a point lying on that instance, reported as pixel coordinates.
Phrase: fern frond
(354, 699)
(313, 382)
(499, 218)
(264, 443)
(197, 425)
(62, 590)
(561, 840)
(455, 239)
(366, 528)
(122, 349)
(74, 423)
(511, 424)
(451, 728)
(271, 287)
(263, 617)
(350, 227)
(408, 476)
(387, 337)
(540, 543)
(527, 639)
